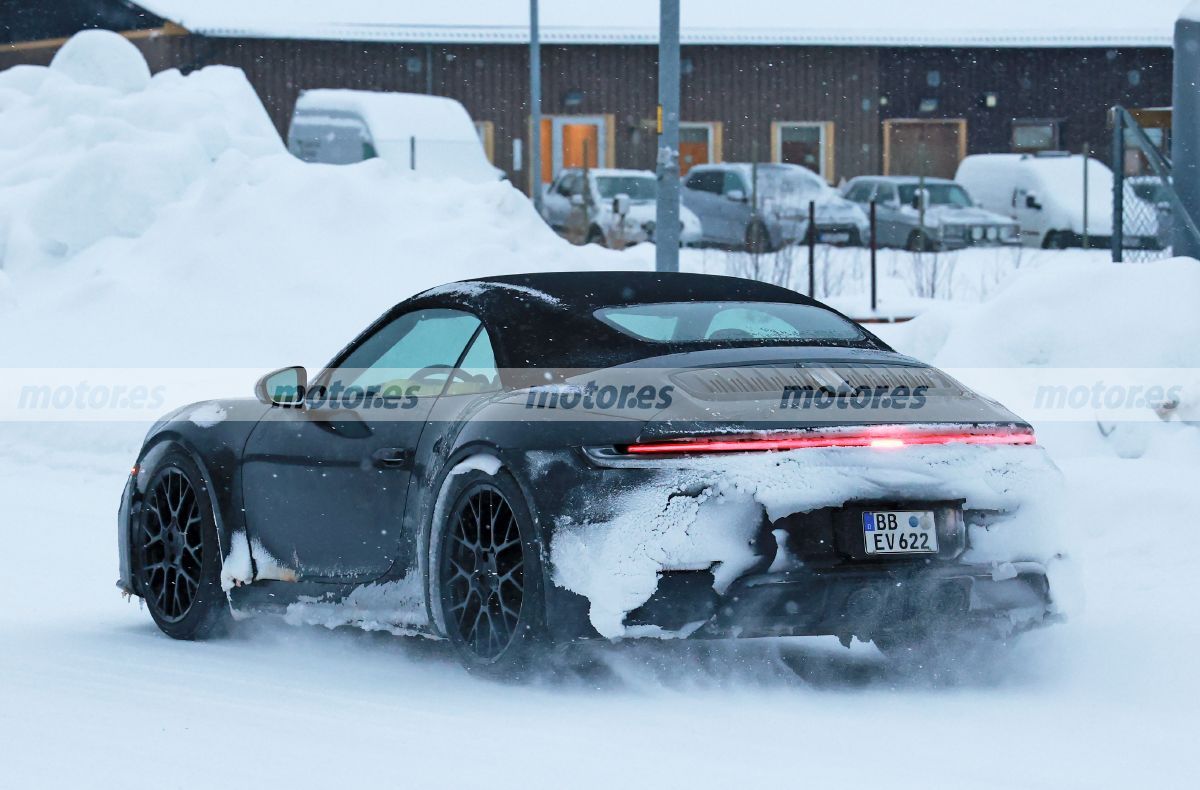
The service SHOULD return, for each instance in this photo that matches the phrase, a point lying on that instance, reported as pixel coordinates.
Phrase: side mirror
(1031, 202)
(283, 387)
(736, 195)
(620, 205)
(577, 200)
(919, 199)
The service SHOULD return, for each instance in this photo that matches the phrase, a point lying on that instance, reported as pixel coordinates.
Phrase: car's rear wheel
(489, 576)
(758, 238)
(1056, 240)
(177, 554)
(919, 242)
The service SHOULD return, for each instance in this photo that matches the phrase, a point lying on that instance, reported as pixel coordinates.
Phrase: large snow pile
(1103, 327)
(163, 223)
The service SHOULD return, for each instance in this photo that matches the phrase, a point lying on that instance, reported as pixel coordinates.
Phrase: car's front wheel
(177, 555)
(488, 576)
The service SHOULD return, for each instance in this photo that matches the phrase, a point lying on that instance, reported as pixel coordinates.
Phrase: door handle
(390, 457)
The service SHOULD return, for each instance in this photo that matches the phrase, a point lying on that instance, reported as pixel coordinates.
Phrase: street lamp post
(666, 218)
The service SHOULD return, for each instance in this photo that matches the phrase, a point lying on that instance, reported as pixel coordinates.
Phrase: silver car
(609, 207)
(766, 214)
(943, 217)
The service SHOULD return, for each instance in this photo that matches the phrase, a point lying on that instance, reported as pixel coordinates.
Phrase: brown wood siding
(745, 88)
(1077, 86)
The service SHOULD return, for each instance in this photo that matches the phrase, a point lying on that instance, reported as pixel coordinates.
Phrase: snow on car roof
(395, 115)
(612, 171)
(938, 23)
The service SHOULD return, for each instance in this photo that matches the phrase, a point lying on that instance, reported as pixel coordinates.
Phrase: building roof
(933, 23)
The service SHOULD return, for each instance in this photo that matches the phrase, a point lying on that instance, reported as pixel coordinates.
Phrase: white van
(433, 135)
(1044, 194)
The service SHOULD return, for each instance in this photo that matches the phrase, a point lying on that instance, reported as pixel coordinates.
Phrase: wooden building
(861, 87)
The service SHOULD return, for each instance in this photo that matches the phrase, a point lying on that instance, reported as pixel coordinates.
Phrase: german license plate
(899, 532)
(833, 237)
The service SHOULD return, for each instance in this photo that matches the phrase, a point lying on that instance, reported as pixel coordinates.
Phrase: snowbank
(167, 224)
(1099, 324)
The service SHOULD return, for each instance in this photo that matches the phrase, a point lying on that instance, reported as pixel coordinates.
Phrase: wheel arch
(152, 452)
(470, 456)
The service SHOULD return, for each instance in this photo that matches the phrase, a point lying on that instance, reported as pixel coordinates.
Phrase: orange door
(693, 147)
(547, 150)
(580, 145)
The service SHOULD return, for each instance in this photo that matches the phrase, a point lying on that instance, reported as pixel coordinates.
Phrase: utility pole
(666, 217)
(535, 108)
(1185, 132)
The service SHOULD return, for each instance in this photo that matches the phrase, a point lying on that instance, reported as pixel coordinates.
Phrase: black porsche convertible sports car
(521, 461)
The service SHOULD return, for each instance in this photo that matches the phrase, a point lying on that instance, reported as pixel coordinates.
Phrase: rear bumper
(867, 603)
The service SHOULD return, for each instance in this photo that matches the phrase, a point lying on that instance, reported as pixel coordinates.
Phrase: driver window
(417, 350)
(477, 372)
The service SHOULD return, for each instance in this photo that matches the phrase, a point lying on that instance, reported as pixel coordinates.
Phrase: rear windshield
(939, 195)
(716, 322)
(637, 187)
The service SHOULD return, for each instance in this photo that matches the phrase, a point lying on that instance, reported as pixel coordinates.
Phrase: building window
(699, 144)
(807, 143)
(1035, 135)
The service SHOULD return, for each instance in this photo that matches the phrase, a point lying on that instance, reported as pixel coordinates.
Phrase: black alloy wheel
(172, 546)
(177, 555)
(484, 585)
(488, 577)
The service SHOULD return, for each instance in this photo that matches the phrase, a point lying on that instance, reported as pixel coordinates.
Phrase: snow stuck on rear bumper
(706, 512)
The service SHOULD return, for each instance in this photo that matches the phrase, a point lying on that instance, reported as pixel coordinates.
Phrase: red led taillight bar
(883, 437)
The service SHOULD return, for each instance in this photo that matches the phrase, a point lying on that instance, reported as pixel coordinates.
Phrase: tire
(758, 238)
(487, 587)
(176, 553)
(595, 236)
(918, 242)
(1056, 241)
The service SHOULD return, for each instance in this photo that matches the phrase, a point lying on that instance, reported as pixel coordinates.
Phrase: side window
(887, 194)
(477, 373)
(411, 356)
(734, 181)
(570, 185)
(860, 192)
(705, 181)
(564, 185)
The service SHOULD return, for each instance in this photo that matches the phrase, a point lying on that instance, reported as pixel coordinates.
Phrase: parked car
(432, 135)
(942, 218)
(1044, 193)
(518, 462)
(734, 211)
(610, 207)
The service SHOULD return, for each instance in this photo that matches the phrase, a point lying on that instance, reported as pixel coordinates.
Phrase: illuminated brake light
(882, 438)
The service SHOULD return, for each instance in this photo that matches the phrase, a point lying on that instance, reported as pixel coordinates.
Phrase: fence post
(1086, 155)
(1118, 169)
(812, 249)
(874, 249)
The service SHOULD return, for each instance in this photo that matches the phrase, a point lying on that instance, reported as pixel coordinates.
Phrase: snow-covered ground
(159, 223)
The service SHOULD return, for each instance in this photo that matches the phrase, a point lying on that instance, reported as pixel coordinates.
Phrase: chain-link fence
(1146, 210)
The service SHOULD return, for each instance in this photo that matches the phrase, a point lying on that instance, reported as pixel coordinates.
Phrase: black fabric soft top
(546, 320)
